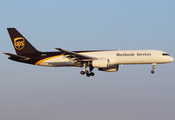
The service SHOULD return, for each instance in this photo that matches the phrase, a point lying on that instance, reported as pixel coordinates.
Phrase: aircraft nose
(171, 59)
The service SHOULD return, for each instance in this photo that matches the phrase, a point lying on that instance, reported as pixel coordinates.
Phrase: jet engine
(113, 68)
(100, 63)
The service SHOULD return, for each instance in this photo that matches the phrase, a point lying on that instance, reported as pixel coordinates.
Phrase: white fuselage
(115, 57)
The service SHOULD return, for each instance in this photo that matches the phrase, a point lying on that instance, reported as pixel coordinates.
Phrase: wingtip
(5, 53)
(58, 48)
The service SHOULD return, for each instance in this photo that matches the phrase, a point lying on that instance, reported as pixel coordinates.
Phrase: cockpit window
(165, 54)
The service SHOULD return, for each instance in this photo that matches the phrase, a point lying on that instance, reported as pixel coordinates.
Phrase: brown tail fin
(20, 43)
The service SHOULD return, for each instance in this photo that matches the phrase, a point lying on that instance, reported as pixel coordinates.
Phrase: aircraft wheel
(92, 74)
(88, 75)
(152, 71)
(82, 72)
(87, 72)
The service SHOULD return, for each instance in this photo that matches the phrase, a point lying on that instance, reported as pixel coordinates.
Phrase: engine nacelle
(110, 69)
(100, 63)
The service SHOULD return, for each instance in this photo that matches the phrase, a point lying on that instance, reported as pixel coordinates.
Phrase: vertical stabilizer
(20, 43)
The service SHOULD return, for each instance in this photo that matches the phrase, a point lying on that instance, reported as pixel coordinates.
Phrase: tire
(82, 72)
(92, 74)
(88, 75)
(86, 72)
(152, 71)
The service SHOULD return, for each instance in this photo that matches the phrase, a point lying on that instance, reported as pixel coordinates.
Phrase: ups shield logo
(19, 43)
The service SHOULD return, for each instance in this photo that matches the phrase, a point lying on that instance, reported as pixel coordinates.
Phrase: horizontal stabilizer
(17, 56)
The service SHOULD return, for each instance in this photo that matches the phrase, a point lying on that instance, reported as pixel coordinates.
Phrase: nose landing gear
(153, 67)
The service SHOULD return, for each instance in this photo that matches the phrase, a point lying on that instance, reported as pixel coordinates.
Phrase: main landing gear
(153, 67)
(86, 71)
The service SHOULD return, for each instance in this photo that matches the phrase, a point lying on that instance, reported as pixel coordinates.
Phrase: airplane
(104, 60)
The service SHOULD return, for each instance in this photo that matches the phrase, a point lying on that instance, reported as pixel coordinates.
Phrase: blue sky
(32, 92)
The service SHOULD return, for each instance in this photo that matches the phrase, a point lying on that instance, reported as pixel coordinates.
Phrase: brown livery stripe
(40, 61)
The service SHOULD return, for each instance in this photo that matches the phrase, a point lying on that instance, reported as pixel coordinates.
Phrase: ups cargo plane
(104, 60)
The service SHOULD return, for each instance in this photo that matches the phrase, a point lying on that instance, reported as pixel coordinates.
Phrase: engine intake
(100, 63)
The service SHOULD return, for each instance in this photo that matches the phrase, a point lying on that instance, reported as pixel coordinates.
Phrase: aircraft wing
(75, 56)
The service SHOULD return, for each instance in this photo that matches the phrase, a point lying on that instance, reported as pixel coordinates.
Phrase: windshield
(165, 54)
